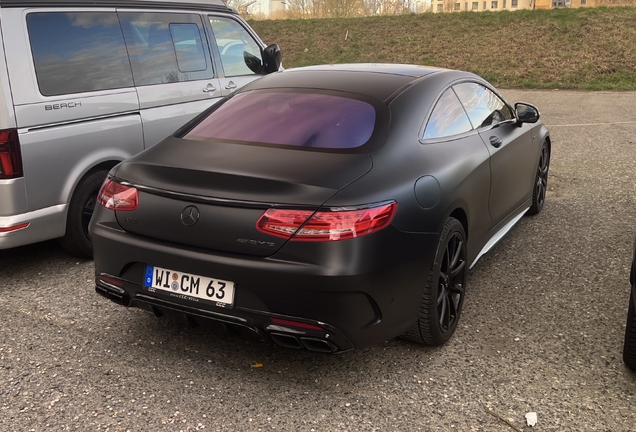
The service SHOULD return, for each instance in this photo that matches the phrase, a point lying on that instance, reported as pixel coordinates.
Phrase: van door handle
(209, 88)
(495, 141)
(230, 85)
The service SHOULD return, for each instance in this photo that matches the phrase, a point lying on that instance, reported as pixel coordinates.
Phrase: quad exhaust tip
(308, 343)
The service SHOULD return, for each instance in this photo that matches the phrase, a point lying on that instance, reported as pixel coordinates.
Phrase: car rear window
(296, 119)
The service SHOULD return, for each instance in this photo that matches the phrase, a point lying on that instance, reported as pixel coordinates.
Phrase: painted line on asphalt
(591, 124)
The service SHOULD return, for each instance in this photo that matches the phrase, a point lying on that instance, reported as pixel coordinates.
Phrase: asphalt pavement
(542, 329)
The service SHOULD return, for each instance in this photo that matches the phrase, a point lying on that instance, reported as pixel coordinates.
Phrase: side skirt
(499, 235)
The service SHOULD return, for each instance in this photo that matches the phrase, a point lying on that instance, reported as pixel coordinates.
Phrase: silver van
(85, 85)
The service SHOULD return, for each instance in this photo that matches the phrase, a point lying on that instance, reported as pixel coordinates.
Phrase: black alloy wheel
(443, 297)
(541, 181)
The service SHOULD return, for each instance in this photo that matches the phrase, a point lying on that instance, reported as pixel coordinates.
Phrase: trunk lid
(211, 195)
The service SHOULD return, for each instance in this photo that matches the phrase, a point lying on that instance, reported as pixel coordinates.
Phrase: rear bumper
(44, 224)
(358, 292)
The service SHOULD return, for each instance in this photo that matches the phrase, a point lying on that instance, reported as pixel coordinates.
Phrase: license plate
(189, 286)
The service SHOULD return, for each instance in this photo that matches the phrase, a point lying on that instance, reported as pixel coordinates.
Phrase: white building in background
(481, 5)
(277, 7)
(268, 8)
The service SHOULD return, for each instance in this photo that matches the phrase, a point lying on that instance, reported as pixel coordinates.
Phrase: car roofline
(216, 5)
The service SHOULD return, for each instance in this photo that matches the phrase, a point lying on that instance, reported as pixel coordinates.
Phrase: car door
(172, 69)
(459, 161)
(512, 156)
(237, 52)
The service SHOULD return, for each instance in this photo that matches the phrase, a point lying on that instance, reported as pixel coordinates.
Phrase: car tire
(540, 185)
(629, 348)
(443, 297)
(76, 240)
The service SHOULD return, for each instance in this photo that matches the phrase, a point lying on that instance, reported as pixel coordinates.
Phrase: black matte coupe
(326, 208)
(629, 346)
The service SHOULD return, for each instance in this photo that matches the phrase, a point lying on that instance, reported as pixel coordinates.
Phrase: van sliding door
(172, 69)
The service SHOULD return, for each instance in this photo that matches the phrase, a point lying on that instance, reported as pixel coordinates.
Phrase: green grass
(587, 48)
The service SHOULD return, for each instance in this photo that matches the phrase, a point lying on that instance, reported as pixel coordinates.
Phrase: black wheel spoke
(458, 264)
(457, 246)
(442, 306)
(459, 268)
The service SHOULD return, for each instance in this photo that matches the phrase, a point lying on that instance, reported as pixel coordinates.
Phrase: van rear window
(78, 52)
(290, 119)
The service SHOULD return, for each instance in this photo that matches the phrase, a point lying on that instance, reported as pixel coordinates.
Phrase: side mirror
(252, 62)
(526, 113)
(271, 59)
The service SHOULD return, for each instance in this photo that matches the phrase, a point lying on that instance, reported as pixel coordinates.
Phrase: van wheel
(76, 240)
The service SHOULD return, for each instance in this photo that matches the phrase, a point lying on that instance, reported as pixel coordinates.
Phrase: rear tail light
(117, 196)
(10, 156)
(329, 225)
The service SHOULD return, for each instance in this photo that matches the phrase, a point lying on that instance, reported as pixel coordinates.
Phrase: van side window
(166, 47)
(189, 47)
(78, 52)
(240, 54)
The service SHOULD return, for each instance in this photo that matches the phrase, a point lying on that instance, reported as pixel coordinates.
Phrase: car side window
(484, 108)
(78, 52)
(448, 118)
(166, 47)
(240, 54)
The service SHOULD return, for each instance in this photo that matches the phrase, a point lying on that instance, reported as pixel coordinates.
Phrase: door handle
(209, 88)
(230, 85)
(495, 141)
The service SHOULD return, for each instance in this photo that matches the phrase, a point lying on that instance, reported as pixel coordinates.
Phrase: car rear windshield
(290, 119)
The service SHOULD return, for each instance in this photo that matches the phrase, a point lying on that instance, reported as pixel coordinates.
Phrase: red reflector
(295, 324)
(15, 227)
(326, 225)
(10, 156)
(111, 280)
(116, 196)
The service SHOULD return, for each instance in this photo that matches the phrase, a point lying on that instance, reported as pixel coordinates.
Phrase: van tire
(76, 240)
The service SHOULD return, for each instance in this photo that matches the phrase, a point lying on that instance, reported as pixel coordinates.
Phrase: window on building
(440, 7)
(494, 5)
(583, 2)
(515, 3)
(458, 6)
(484, 5)
(504, 4)
(466, 6)
(475, 5)
(78, 52)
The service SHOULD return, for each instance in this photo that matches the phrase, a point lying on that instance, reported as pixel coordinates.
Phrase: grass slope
(587, 48)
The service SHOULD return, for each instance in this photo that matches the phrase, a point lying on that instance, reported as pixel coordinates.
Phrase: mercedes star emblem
(190, 215)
